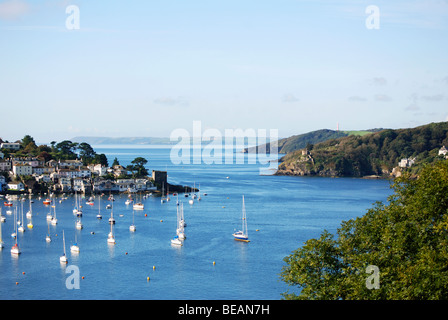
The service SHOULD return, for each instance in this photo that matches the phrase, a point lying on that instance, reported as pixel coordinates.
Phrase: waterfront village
(33, 174)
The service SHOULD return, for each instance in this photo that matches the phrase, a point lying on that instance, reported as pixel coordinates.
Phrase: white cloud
(356, 98)
(13, 9)
(168, 101)
(436, 97)
(412, 107)
(379, 81)
(382, 98)
(289, 97)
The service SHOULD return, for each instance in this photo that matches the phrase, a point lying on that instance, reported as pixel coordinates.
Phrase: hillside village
(35, 175)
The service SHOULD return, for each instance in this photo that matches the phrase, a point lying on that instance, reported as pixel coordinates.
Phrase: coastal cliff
(386, 153)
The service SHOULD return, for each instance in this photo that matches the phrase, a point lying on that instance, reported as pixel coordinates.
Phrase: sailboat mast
(63, 240)
(244, 219)
(15, 225)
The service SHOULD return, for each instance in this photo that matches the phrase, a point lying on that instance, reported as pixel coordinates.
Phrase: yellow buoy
(214, 262)
(257, 229)
(153, 267)
(161, 220)
(147, 279)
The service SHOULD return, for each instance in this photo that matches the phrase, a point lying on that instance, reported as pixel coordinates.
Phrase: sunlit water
(286, 211)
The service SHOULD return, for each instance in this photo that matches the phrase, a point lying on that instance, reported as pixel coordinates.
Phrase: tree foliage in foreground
(407, 239)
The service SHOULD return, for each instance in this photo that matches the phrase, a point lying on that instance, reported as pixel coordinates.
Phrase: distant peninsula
(124, 140)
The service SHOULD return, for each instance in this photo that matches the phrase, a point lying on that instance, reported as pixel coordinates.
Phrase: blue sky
(145, 68)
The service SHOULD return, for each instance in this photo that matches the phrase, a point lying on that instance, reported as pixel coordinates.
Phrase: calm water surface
(286, 210)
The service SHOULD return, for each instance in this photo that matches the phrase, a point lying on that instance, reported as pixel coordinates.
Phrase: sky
(146, 68)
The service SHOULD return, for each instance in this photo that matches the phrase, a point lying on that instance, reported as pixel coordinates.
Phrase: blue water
(286, 210)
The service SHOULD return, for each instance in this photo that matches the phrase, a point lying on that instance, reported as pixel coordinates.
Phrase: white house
(5, 165)
(84, 172)
(80, 185)
(75, 173)
(443, 151)
(22, 169)
(70, 163)
(104, 186)
(406, 162)
(125, 185)
(12, 146)
(65, 184)
(45, 177)
(98, 169)
(43, 170)
(144, 185)
(16, 186)
(34, 162)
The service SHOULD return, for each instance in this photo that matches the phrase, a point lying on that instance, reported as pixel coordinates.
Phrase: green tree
(66, 149)
(86, 152)
(407, 239)
(116, 162)
(27, 140)
(101, 159)
(139, 167)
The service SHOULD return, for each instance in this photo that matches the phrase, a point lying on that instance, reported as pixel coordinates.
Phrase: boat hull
(240, 237)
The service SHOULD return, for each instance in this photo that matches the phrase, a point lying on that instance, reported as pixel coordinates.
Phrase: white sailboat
(54, 220)
(111, 219)
(176, 241)
(48, 237)
(180, 223)
(74, 247)
(194, 190)
(132, 227)
(242, 235)
(29, 214)
(79, 225)
(77, 210)
(110, 236)
(21, 228)
(99, 216)
(138, 206)
(49, 215)
(163, 198)
(15, 248)
(14, 231)
(63, 258)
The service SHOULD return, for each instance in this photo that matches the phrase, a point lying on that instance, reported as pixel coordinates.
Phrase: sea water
(286, 211)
